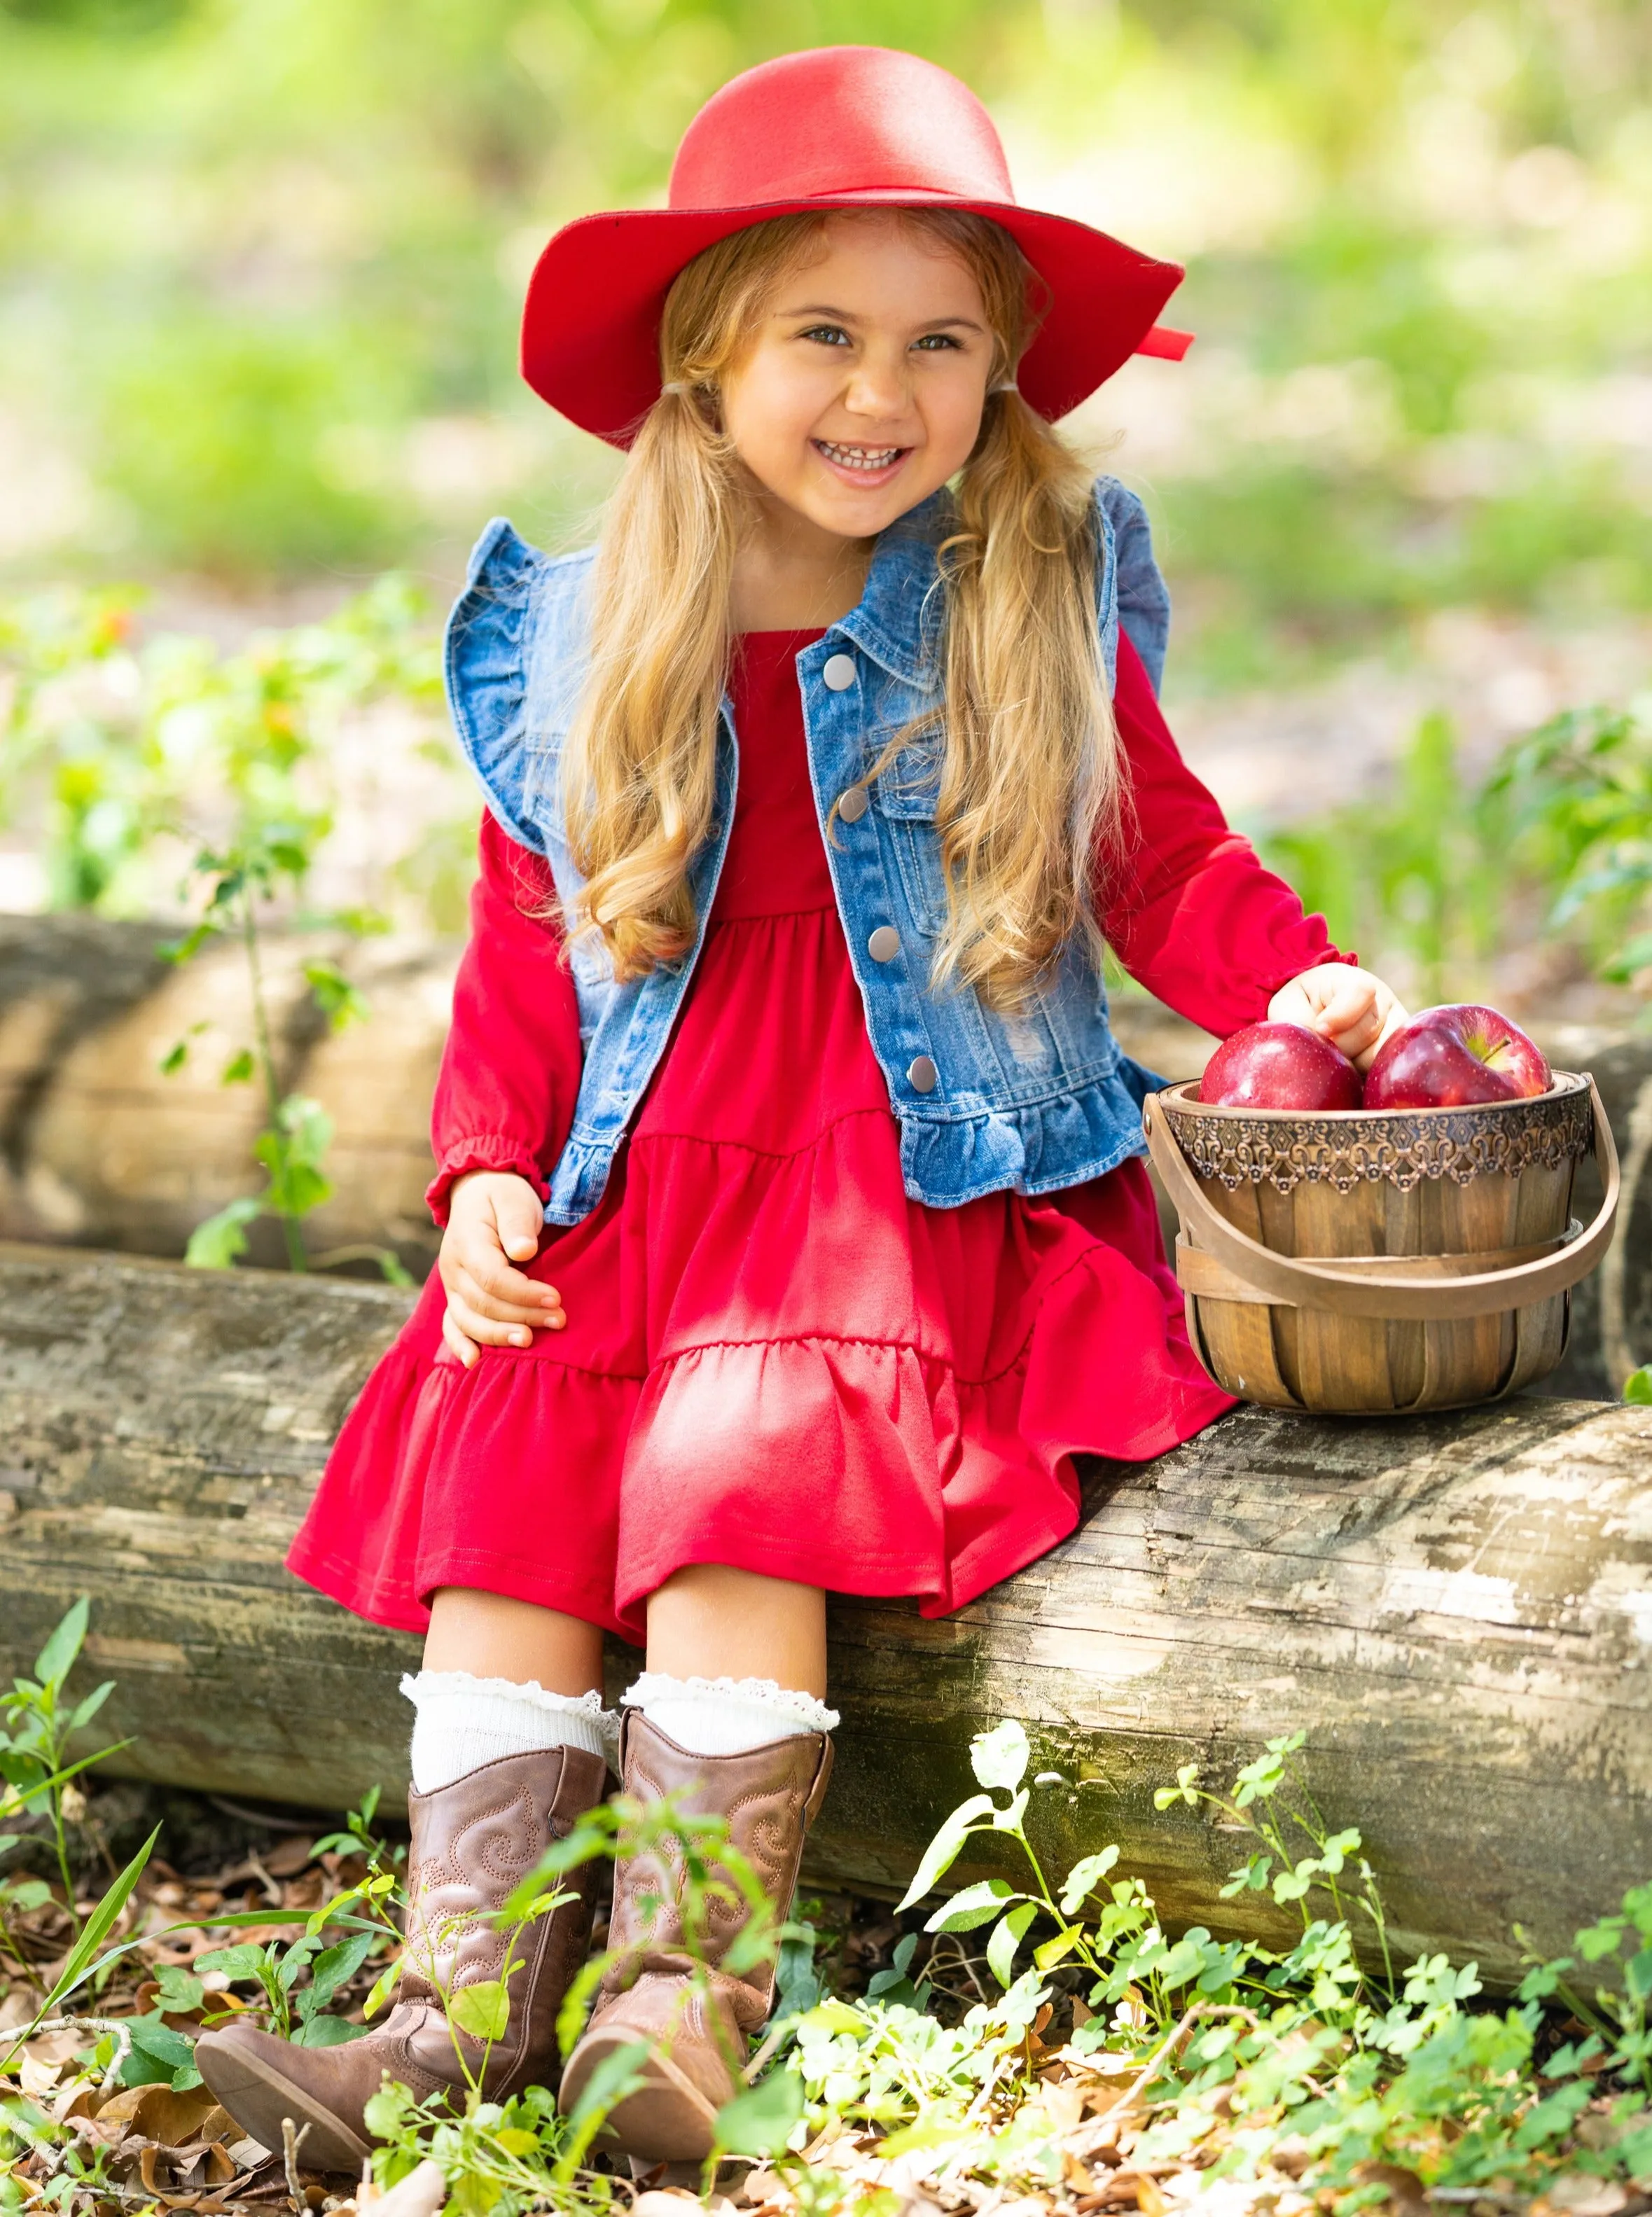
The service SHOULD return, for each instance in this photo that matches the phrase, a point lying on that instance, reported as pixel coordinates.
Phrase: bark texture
(1457, 1609)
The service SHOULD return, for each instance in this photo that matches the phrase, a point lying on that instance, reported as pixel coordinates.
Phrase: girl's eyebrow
(848, 316)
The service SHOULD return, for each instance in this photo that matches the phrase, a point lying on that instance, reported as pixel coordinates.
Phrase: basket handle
(1339, 1287)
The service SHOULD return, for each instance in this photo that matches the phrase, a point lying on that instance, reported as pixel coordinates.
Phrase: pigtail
(641, 767)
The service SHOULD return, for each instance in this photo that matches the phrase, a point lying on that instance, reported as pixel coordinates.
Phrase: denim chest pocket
(905, 797)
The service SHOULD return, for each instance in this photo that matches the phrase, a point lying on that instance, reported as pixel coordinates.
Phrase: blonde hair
(1030, 787)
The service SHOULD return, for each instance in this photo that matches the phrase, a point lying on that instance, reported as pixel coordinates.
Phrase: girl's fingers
(494, 1277)
(484, 1330)
(462, 1283)
(464, 1350)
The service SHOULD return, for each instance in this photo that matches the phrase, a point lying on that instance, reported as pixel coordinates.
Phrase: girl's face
(861, 389)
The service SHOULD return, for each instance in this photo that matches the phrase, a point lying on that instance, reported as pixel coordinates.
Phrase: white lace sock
(460, 1722)
(726, 1716)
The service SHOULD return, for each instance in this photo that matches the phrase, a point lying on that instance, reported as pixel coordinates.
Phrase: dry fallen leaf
(1575, 2194)
(38, 2078)
(1062, 2102)
(171, 2120)
(1149, 2195)
(291, 1856)
(1406, 2195)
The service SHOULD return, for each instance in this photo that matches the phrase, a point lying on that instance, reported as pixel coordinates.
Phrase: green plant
(1297, 2066)
(1577, 797)
(299, 1979)
(1412, 873)
(68, 732)
(142, 750)
(34, 1760)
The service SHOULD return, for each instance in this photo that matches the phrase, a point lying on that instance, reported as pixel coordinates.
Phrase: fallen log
(1457, 1610)
(99, 1146)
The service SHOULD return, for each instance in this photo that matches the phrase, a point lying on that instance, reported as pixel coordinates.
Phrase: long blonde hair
(1030, 788)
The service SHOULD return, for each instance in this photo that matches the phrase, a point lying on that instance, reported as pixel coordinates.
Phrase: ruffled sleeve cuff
(487, 1151)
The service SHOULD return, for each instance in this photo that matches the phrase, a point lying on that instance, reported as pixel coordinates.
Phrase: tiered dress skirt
(773, 1357)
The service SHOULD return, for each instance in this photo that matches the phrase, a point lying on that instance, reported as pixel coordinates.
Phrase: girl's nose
(879, 389)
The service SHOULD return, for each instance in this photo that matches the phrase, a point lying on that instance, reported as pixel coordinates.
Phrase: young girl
(797, 1235)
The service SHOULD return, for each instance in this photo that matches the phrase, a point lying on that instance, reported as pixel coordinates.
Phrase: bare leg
(492, 1636)
(708, 1621)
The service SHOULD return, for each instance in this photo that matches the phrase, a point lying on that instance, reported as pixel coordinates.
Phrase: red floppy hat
(837, 126)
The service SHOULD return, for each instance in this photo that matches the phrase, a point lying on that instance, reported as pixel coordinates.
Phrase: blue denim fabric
(1034, 1102)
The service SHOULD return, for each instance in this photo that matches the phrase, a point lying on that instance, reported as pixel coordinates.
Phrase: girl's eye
(933, 341)
(827, 334)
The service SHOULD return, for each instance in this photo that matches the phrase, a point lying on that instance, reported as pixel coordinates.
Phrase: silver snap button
(922, 1075)
(884, 944)
(839, 674)
(853, 803)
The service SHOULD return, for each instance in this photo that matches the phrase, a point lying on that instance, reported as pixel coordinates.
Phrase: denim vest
(1033, 1101)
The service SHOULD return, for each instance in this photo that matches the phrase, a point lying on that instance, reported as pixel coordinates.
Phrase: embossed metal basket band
(1366, 1286)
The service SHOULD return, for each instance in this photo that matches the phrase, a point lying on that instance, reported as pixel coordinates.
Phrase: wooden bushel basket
(1365, 1261)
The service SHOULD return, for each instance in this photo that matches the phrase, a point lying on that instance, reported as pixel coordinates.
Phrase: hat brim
(590, 327)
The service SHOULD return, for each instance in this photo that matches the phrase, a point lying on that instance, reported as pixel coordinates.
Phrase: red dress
(774, 1359)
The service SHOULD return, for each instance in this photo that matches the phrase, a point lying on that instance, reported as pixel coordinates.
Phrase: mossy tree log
(1456, 1609)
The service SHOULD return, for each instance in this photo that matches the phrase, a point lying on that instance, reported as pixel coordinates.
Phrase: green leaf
(333, 1967)
(383, 1987)
(327, 2032)
(942, 1851)
(760, 2122)
(976, 1904)
(483, 2010)
(179, 1992)
(338, 1000)
(215, 1245)
(1054, 1951)
(140, 2069)
(180, 950)
(1083, 1878)
(999, 1757)
(1006, 1934)
(239, 1070)
(86, 1709)
(55, 1659)
(244, 1960)
(174, 1059)
(160, 2041)
(1638, 1390)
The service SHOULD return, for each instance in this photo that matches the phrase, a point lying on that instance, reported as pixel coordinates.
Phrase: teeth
(857, 457)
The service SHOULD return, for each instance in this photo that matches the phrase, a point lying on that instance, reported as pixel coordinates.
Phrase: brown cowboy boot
(473, 1843)
(698, 2035)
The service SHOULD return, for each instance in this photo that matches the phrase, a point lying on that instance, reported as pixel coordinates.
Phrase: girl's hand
(1353, 1009)
(492, 1216)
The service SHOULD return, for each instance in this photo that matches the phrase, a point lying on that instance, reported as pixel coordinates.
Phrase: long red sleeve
(1189, 910)
(510, 1069)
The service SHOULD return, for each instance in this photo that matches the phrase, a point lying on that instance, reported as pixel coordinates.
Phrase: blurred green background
(261, 263)
(262, 260)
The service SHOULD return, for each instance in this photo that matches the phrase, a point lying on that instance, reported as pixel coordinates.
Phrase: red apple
(1452, 1058)
(1280, 1067)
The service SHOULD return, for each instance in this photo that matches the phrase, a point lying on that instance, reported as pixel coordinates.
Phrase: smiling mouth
(859, 458)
